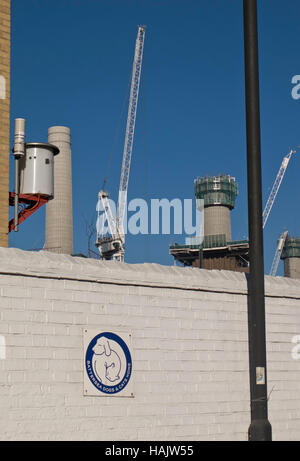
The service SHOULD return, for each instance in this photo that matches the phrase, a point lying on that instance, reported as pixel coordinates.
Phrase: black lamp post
(260, 428)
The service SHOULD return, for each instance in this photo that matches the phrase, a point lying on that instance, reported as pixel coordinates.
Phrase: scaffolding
(214, 253)
(291, 248)
(211, 241)
(216, 190)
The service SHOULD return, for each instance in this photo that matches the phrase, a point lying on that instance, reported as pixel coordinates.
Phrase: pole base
(260, 430)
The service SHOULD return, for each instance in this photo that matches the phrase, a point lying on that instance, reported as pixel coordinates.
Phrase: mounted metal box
(37, 169)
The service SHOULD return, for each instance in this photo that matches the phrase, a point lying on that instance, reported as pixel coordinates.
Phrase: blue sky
(71, 64)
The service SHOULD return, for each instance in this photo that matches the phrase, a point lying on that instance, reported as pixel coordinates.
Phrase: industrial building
(217, 251)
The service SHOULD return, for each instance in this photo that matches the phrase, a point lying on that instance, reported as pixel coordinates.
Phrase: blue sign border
(110, 390)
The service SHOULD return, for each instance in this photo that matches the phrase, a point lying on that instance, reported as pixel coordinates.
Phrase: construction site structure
(220, 254)
(291, 257)
(217, 250)
(112, 244)
(59, 215)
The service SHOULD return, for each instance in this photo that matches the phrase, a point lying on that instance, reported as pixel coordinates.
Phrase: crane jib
(114, 246)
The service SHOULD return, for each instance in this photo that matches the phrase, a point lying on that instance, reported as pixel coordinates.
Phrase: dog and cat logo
(108, 363)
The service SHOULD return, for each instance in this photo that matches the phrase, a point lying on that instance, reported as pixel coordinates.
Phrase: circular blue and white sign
(108, 363)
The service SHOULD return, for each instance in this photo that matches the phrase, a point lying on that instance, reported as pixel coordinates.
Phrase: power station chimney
(291, 257)
(219, 194)
(59, 216)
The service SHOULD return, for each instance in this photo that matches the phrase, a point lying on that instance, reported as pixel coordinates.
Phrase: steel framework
(32, 202)
(276, 186)
(113, 245)
(280, 245)
(269, 205)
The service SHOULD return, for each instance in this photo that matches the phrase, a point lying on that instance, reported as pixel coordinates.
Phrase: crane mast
(113, 245)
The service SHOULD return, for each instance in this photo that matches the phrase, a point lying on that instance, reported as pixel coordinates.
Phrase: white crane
(280, 245)
(268, 207)
(113, 244)
(276, 186)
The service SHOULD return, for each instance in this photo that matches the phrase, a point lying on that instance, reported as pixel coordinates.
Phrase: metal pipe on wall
(19, 152)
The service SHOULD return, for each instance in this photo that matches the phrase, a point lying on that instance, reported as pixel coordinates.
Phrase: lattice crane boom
(130, 127)
(268, 207)
(276, 185)
(113, 246)
(280, 245)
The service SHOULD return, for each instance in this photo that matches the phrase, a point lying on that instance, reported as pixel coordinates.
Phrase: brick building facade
(4, 118)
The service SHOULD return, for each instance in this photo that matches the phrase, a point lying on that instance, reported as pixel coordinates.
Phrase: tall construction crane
(276, 186)
(113, 244)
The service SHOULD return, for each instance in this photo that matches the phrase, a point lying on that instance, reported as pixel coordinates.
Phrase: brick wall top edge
(46, 264)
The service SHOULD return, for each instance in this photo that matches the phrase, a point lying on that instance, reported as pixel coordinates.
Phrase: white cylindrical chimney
(59, 215)
(217, 221)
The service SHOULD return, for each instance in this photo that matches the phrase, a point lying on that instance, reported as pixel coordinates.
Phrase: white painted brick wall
(189, 341)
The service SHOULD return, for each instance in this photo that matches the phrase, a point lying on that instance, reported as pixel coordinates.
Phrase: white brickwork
(189, 343)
